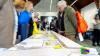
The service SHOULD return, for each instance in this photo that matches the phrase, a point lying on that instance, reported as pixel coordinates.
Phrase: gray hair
(62, 2)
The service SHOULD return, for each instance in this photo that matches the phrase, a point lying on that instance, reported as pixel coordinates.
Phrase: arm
(71, 16)
(70, 21)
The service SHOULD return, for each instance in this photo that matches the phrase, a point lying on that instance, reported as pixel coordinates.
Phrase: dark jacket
(60, 22)
(30, 27)
(99, 12)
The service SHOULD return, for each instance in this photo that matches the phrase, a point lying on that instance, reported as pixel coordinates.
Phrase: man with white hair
(66, 23)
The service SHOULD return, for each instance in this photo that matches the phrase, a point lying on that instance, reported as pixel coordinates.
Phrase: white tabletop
(45, 52)
(35, 47)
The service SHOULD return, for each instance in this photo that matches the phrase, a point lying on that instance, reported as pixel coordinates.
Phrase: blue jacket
(24, 17)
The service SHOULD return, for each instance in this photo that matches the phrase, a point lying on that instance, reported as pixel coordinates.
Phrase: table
(44, 45)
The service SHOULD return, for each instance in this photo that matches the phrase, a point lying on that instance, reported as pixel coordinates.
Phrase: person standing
(35, 24)
(96, 32)
(53, 24)
(44, 23)
(67, 23)
(19, 7)
(24, 18)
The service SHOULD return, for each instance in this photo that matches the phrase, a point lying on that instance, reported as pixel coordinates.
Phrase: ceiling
(82, 3)
(44, 5)
(35, 1)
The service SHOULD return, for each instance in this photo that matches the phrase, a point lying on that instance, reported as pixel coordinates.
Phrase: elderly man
(6, 23)
(67, 23)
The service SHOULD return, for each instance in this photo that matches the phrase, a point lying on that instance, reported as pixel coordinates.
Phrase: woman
(19, 6)
(24, 18)
(35, 24)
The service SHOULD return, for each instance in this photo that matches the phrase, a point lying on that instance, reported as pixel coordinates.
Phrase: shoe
(94, 44)
(98, 44)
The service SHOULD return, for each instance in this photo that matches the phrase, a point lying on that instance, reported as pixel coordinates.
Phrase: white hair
(62, 2)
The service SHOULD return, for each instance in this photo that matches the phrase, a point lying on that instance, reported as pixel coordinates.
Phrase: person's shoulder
(69, 9)
(24, 11)
(98, 24)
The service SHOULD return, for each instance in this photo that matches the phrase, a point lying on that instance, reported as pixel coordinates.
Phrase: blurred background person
(36, 18)
(96, 32)
(19, 7)
(53, 24)
(23, 20)
(36, 23)
(67, 23)
(6, 23)
(44, 23)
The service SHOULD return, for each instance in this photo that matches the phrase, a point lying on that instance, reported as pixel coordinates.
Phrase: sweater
(24, 17)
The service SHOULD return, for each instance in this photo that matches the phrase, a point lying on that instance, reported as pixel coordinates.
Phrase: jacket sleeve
(71, 16)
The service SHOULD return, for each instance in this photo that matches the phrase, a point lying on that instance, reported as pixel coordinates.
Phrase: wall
(46, 6)
(88, 12)
(47, 13)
